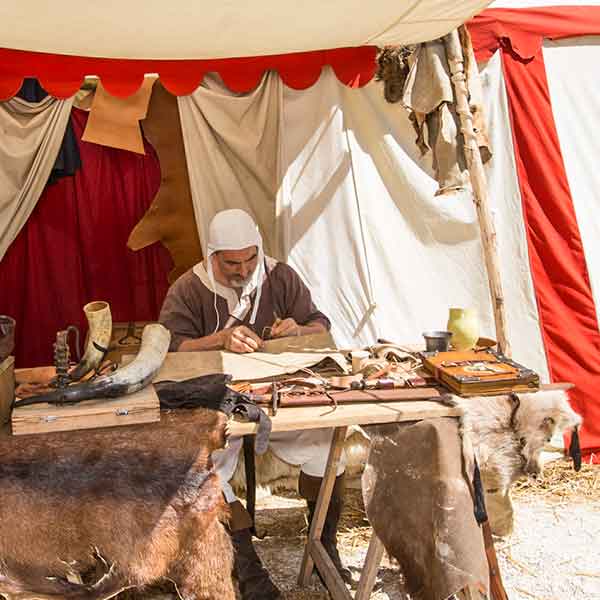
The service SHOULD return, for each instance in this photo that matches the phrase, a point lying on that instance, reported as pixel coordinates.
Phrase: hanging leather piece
(575, 449)
(250, 471)
(114, 122)
(170, 219)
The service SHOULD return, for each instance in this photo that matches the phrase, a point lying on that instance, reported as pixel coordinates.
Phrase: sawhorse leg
(314, 552)
(370, 568)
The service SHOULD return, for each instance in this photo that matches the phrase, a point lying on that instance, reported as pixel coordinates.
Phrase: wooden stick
(318, 520)
(370, 568)
(333, 580)
(497, 590)
(455, 56)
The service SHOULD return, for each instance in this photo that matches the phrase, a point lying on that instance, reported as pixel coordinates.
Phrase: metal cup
(437, 341)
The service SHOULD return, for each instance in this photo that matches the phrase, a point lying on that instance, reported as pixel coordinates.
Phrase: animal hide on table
(120, 507)
(419, 500)
(508, 437)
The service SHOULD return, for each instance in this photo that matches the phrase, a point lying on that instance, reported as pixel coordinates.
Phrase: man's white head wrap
(235, 229)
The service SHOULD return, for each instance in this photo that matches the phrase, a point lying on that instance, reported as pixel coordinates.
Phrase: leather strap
(250, 472)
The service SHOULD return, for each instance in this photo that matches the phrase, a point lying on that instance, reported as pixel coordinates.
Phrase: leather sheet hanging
(170, 219)
(114, 122)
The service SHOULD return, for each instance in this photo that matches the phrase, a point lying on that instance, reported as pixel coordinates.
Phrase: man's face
(235, 267)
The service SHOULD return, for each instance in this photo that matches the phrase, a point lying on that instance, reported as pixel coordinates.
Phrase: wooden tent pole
(455, 57)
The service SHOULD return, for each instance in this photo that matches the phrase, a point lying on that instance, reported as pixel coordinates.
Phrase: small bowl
(437, 341)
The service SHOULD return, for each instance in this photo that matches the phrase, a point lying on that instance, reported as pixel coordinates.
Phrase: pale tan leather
(170, 219)
(114, 122)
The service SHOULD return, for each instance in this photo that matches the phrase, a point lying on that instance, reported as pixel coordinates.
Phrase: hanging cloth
(68, 160)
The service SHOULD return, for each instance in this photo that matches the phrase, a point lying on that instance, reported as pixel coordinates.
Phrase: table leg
(370, 568)
(314, 550)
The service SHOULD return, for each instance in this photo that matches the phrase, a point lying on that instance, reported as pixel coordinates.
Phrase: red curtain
(562, 286)
(73, 250)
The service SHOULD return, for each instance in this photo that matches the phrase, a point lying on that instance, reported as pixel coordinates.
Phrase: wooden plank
(497, 590)
(322, 505)
(370, 568)
(7, 388)
(34, 374)
(312, 417)
(335, 585)
(139, 407)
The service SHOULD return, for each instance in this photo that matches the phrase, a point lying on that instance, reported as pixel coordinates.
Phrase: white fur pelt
(276, 475)
(503, 450)
(507, 451)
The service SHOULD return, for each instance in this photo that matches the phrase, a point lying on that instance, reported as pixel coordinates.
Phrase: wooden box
(7, 388)
(480, 373)
(141, 407)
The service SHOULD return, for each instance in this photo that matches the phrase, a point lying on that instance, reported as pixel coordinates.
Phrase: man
(232, 300)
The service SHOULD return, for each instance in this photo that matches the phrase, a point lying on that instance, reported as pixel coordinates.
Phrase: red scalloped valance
(522, 31)
(62, 75)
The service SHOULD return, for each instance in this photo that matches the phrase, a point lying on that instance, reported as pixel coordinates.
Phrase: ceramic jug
(464, 325)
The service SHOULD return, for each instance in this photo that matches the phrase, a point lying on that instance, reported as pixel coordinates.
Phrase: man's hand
(285, 328)
(240, 339)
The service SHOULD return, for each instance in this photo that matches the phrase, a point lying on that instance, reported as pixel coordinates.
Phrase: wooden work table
(290, 418)
(390, 407)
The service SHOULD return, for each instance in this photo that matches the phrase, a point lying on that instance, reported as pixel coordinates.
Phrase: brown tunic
(188, 310)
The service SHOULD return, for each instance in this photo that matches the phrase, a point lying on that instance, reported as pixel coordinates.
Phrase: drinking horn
(126, 380)
(98, 339)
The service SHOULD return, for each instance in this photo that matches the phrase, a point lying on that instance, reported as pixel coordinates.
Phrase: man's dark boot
(309, 488)
(253, 579)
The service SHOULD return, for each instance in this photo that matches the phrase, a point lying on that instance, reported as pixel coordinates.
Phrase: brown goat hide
(170, 218)
(420, 505)
(115, 508)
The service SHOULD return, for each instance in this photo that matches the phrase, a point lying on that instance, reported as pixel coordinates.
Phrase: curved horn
(126, 380)
(98, 339)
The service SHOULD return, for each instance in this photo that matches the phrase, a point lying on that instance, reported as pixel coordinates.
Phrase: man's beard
(238, 282)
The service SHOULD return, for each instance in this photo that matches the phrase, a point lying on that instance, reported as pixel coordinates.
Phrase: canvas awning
(61, 42)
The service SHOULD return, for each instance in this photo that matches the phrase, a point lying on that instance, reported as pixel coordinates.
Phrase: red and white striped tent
(540, 70)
